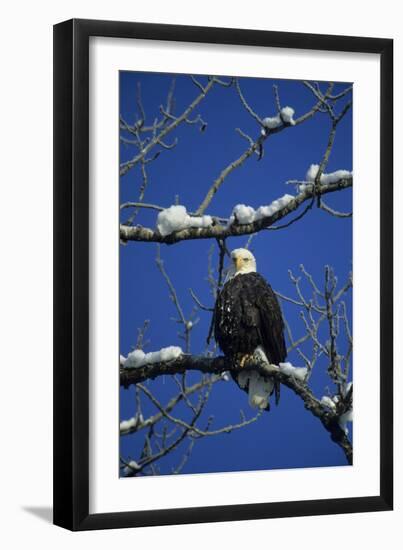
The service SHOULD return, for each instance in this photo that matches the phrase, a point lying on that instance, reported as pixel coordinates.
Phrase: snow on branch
(328, 402)
(330, 178)
(284, 117)
(299, 373)
(138, 358)
(243, 214)
(127, 426)
(220, 231)
(184, 363)
(131, 468)
(175, 218)
(341, 407)
(344, 418)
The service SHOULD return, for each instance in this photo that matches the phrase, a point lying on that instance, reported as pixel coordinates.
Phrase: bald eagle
(248, 321)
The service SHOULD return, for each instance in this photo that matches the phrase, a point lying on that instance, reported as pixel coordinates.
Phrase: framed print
(222, 235)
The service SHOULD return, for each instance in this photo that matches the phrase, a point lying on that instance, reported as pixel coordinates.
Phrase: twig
(199, 304)
(246, 104)
(126, 166)
(333, 212)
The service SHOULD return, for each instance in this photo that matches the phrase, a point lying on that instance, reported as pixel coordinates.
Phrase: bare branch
(328, 418)
(246, 104)
(140, 105)
(333, 212)
(141, 205)
(126, 166)
(166, 145)
(199, 304)
(245, 136)
(188, 323)
(198, 84)
(322, 99)
(141, 332)
(223, 82)
(341, 94)
(194, 430)
(171, 287)
(277, 98)
(166, 450)
(223, 251)
(154, 419)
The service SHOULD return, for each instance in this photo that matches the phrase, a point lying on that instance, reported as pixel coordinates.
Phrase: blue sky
(288, 436)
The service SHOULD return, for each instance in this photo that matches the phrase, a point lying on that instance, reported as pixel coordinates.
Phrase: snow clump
(297, 372)
(138, 358)
(344, 418)
(285, 116)
(176, 218)
(244, 214)
(131, 468)
(126, 425)
(332, 177)
(328, 402)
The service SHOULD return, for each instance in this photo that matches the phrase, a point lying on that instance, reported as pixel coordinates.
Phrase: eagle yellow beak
(238, 263)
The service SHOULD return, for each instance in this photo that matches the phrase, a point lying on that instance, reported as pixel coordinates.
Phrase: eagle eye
(246, 259)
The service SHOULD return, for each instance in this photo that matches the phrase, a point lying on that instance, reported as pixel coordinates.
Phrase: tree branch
(184, 363)
(329, 419)
(218, 231)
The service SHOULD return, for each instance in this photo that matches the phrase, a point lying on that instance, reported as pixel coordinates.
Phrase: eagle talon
(244, 359)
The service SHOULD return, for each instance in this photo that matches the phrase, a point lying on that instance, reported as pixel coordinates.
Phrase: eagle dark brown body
(248, 315)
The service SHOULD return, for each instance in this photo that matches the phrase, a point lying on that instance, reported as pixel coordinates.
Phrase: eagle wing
(271, 324)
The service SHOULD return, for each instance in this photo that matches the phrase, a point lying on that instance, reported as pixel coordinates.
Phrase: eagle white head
(243, 261)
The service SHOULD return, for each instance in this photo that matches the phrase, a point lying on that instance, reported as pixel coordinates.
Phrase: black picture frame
(71, 274)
